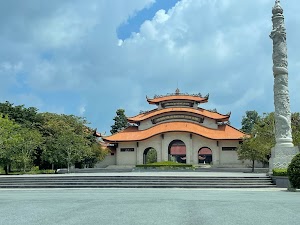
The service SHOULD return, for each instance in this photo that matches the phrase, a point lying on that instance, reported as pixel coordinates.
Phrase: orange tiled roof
(225, 132)
(199, 111)
(177, 97)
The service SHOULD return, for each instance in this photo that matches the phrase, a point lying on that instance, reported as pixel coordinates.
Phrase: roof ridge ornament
(177, 92)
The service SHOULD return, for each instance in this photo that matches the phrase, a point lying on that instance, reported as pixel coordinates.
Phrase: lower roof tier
(224, 132)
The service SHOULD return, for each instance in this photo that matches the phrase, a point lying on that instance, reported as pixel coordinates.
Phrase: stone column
(138, 159)
(192, 159)
(162, 136)
(283, 151)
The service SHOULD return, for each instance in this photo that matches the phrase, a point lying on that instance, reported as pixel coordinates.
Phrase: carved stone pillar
(283, 151)
(283, 130)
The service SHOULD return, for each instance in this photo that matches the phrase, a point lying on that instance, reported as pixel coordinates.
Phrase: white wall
(126, 158)
(107, 161)
(219, 157)
(145, 124)
(200, 142)
(229, 157)
(153, 142)
(210, 123)
(171, 136)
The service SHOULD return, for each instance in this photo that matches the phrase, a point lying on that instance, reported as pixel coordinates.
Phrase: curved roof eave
(152, 113)
(177, 97)
(226, 133)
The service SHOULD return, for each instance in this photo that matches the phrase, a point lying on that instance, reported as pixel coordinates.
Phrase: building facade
(177, 130)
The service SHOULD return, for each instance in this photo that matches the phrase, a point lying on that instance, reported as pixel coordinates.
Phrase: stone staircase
(115, 181)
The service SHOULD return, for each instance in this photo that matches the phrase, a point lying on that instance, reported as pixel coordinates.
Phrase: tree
(69, 140)
(30, 139)
(95, 154)
(26, 117)
(151, 156)
(9, 141)
(120, 121)
(249, 120)
(71, 147)
(257, 146)
(249, 150)
(296, 128)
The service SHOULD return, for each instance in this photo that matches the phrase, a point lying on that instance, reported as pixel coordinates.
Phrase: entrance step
(70, 181)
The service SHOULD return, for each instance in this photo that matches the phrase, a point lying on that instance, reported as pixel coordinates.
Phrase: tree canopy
(249, 120)
(257, 146)
(26, 117)
(120, 121)
(29, 138)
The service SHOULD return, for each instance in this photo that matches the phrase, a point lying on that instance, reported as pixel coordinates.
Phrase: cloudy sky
(89, 58)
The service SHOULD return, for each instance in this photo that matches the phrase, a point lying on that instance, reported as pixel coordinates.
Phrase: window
(228, 148)
(127, 150)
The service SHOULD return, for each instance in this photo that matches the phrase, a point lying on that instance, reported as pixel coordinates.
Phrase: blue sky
(89, 58)
(133, 24)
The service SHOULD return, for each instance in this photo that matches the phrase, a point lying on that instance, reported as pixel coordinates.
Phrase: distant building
(179, 131)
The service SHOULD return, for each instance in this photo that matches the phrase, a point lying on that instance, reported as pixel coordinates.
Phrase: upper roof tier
(199, 111)
(178, 96)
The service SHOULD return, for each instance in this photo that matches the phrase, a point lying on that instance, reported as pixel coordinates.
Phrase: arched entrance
(150, 155)
(177, 151)
(205, 155)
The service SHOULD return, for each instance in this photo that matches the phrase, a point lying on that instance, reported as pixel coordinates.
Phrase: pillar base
(281, 156)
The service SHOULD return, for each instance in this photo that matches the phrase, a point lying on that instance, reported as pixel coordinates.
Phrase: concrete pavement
(149, 206)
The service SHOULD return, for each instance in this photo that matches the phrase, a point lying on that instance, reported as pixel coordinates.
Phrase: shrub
(293, 171)
(166, 164)
(279, 172)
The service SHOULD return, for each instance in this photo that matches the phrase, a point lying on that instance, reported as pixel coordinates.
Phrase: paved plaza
(149, 206)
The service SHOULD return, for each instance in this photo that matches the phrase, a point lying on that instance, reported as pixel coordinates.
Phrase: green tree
(95, 154)
(120, 121)
(26, 117)
(71, 147)
(151, 156)
(74, 135)
(257, 146)
(29, 140)
(249, 120)
(9, 141)
(296, 128)
(250, 150)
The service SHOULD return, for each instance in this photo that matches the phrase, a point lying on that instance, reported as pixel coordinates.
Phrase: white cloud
(207, 46)
(81, 110)
(65, 28)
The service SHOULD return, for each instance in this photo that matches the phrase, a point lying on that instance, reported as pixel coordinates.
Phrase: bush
(166, 164)
(293, 171)
(279, 172)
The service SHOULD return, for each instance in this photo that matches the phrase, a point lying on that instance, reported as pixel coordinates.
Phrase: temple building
(178, 129)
